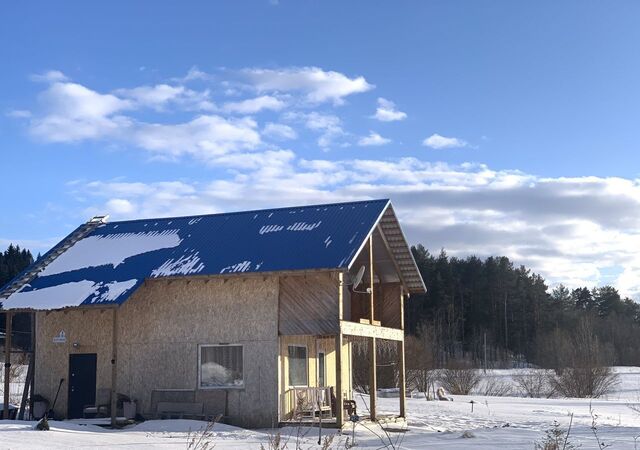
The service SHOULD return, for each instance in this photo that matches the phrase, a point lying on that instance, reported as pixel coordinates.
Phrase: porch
(319, 316)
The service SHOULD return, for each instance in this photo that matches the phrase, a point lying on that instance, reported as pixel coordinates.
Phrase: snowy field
(495, 423)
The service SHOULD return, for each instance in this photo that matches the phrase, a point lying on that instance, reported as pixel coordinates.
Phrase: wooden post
(338, 344)
(25, 390)
(373, 379)
(7, 360)
(402, 385)
(34, 322)
(114, 369)
(339, 397)
(371, 318)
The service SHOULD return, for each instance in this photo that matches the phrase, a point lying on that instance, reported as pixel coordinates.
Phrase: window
(298, 366)
(321, 370)
(221, 366)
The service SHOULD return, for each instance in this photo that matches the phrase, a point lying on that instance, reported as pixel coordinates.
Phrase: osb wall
(159, 330)
(309, 304)
(91, 329)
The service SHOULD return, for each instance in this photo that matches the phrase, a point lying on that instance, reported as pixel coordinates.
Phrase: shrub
(583, 382)
(534, 383)
(583, 365)
(493, 387)
(459, 378)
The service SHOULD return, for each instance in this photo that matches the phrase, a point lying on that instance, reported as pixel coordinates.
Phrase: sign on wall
(60, 338)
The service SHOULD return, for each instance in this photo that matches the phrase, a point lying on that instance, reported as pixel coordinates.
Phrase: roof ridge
(320, 205)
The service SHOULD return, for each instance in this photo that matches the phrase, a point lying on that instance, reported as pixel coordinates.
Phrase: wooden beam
(114, 367)
(371, 317)
(402, 386)
(341, 296)
(339, 397)
(401, 308)
(373, 378)
(34, 324)
(372, 331)
(7, 360)
(338, 345)
(25, 390)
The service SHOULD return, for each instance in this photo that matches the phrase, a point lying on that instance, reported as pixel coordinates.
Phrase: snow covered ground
(495, 423)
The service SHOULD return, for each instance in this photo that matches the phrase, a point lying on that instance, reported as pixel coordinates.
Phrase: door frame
(95, 387)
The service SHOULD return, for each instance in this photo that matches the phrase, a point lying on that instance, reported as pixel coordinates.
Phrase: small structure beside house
(249, 315)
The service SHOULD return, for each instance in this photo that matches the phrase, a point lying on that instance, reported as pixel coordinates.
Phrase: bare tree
(419, 358)
(584, 370)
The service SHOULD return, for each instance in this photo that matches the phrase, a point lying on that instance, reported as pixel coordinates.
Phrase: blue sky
(495, 127)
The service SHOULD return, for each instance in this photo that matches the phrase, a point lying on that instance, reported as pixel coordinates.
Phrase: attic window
(220, 367)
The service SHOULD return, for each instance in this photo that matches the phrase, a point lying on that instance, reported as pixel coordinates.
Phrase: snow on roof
(107, 265)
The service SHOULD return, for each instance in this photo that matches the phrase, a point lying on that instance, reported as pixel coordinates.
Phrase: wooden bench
(180, 410)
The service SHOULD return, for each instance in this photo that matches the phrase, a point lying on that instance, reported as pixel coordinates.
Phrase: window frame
(306, 360)
(322, 374)
(228, 387)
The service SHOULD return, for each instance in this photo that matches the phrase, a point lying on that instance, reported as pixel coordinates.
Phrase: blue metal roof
(109, 263)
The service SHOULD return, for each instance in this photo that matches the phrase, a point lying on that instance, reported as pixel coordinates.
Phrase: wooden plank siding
(386, 308)
(308, 305)
(389, 305)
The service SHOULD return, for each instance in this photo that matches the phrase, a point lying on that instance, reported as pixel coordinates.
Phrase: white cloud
(160, 95)
(279, 131)
(439, 142)
(387, 112)
(75, 100)
(193, 74)
(329, 126)
(75, 113)
(19, 114)
(50, 76)
(318, 85)
(254, 105)
(120, 206)
(71, 112)
(374, 139)
(206, 137)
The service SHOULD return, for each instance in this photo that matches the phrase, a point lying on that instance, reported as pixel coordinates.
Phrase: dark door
(82, 383)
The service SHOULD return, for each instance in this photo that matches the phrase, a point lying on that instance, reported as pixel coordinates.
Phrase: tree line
(492, 312)
(13, 261)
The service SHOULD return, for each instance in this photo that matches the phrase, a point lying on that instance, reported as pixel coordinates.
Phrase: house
(249, 314)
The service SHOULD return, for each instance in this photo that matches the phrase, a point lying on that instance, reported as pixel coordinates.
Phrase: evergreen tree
(470, 301)
(13, 261)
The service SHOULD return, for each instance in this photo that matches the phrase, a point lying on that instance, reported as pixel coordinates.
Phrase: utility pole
(485, 352)
(506, 329)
